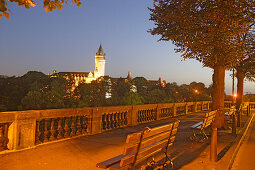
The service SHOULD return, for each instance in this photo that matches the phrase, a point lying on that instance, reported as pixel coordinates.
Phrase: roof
(100, 51)
(73, 73)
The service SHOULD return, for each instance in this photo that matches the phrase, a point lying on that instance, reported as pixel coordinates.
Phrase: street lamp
(235, 95)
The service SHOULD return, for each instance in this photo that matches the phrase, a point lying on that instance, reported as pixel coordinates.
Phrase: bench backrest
(142, 145)
(232, 110)
(209, 118)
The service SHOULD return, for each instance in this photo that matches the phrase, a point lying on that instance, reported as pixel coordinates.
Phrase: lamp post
(233, 103)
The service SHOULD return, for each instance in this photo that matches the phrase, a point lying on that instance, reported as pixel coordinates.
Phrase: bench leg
(205, 137)
(166, 165)
(199, 137)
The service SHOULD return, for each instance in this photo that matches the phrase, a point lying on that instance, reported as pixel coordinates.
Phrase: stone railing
(24, 129)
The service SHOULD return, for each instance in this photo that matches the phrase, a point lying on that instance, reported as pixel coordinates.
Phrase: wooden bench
(145, 148)
(201, 126)
(231, 111)
(229, 116)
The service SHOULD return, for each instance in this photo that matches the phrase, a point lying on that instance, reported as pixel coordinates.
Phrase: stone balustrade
(25, 129)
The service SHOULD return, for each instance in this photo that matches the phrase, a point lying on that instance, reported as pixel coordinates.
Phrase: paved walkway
(84, 152)
(245, 156)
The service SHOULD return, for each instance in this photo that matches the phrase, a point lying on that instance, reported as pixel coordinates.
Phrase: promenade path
(84, 152)
(245, 156)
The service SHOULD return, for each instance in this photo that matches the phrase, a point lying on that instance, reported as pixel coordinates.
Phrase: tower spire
(100, 51)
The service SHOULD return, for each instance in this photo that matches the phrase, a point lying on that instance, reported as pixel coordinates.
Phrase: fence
(24, 129)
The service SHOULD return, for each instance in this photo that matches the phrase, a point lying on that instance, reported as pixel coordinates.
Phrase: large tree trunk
(218, 95)
(239, 100)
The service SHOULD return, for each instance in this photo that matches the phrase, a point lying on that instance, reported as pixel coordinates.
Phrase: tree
(49, 5)
(91, 95)
(205, 30)
(246, 67)
(172, 91)
(142, 85)
(48, 94)
(131, 98)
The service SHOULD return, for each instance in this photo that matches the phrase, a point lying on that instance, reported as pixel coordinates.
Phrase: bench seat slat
(110, 162)
(197, 125)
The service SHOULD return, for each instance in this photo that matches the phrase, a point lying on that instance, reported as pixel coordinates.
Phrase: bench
(229, 116)
(231, 111)
(145, 148)
(201, 126)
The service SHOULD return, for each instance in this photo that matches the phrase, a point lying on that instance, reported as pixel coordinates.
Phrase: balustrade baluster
(142, 115)
(125, 118)
(41, 130)
(78, 126)
(65, 127)
(37, 132)
(122, 119)
(56, 128)
(115, 120)
(86, 124)
(69, 124)
(111, 120)
(52, 130)
(82, 120)
(60, 128)
(46, 132)
(118, 119)
(104, 121)
(3, 138)
(108, 125)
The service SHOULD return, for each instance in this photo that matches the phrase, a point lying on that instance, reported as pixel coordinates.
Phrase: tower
(99, 62)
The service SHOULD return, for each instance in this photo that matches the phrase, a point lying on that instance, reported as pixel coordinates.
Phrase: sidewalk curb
(241, 139)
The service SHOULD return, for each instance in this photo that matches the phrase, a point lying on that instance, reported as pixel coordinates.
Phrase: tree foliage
(35, 90)
(206, 30)
(49, 5)
(131, 98)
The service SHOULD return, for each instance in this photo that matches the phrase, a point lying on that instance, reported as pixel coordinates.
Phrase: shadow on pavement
(188, 156)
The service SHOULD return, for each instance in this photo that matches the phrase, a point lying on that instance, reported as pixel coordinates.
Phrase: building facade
(86, 77)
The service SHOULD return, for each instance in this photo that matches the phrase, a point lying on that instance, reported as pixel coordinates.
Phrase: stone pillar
(208, 106)
(96, 121)
(134, 116)
(195, 107)
(22, 131)
(174, 110)
(157, 112)
(186, 108)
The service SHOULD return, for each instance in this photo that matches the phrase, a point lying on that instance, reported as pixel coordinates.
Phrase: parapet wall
(25, 129)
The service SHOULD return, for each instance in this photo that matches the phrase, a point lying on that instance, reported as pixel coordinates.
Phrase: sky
(67, 40)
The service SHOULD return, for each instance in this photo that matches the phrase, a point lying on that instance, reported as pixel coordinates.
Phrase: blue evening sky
(67, 40)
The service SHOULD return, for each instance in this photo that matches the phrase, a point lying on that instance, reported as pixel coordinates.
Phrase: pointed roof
(100, 51)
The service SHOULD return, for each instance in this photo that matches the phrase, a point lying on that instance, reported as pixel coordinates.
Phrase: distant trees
(131, 98)
(49, 5)
(49, 93)
(208, 31)
(35, 90)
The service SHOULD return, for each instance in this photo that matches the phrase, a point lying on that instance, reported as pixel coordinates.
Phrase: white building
(86, 77)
